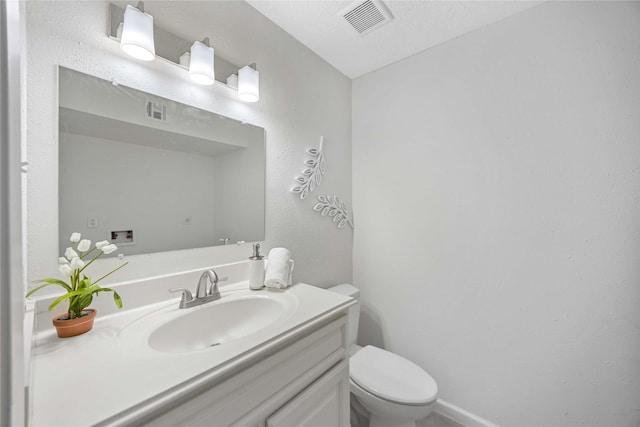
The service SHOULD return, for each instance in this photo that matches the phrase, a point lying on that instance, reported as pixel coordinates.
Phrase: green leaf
(48, 282)
(80, 302)
(117, 299)
(64, 297)
(93, 289)
(84, 283)
(34, 290)
(82, 297)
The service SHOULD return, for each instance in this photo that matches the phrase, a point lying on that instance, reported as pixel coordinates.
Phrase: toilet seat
(392, 377)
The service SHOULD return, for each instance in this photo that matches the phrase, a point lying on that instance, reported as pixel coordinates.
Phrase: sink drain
(214, 344)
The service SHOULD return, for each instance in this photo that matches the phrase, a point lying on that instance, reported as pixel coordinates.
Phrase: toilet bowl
(394, 390)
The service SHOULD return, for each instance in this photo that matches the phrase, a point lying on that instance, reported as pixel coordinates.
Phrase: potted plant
(80, 289)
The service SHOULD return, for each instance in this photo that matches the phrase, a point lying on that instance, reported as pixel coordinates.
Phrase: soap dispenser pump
(256, 268)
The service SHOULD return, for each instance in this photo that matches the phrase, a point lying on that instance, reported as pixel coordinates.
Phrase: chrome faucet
(203, 295)
(201, 290)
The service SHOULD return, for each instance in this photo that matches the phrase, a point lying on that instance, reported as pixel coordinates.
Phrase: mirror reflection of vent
(156, 111)
(366, 16)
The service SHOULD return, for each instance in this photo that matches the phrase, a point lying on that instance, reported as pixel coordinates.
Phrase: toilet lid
(392, 377)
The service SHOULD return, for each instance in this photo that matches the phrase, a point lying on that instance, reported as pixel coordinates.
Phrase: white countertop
(111, 378)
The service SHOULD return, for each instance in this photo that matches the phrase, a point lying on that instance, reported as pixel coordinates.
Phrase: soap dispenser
(256, 268)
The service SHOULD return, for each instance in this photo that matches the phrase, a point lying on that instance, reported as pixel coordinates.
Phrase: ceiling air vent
(156, 111)
(366, 16)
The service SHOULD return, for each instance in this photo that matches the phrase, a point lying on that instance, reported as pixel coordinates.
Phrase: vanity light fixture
(201, 63)
(134, 29)
(249, 83)
(137, 33)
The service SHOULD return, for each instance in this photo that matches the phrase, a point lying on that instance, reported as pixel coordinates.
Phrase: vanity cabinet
(302, 382)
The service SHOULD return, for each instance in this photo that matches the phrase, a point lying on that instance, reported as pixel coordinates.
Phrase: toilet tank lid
(345, 289)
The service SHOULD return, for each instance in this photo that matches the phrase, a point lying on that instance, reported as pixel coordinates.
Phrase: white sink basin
(237, 315)
(215, 324)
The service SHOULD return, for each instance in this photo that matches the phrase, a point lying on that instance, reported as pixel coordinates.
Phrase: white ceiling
(417, 25)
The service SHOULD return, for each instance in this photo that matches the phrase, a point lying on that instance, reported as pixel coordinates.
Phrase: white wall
(125, 186)
(497, 196)
(238, 185)
(302, 98)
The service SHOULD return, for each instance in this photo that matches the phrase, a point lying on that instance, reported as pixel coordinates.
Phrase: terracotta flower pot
(70, 328)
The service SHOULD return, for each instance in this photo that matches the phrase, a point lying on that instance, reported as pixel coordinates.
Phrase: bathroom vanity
(252, 358)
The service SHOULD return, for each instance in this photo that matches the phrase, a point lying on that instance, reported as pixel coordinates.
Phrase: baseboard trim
(460, 416)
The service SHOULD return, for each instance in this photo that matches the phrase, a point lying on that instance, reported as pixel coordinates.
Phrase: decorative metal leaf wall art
(334, 208)
(311, 178)
(312, 175)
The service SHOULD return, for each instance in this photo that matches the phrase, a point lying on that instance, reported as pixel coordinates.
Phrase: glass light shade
(201, 65)
(248, 84)
(137, 34)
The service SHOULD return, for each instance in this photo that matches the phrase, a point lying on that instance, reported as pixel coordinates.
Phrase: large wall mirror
(154, 175)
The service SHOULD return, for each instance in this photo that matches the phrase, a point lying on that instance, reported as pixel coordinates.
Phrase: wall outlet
(92, 222)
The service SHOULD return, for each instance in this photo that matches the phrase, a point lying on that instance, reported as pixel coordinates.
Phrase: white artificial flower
(84, 245)
(63, 260)
(70, 254)
(101, 244)
(77, 263)
(109, 248)
(66, 270)
(75, 237)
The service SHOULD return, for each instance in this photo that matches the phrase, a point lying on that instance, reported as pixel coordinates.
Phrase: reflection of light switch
(187, 220)
(92, 222)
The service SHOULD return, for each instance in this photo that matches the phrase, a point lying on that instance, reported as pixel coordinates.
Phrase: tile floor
(437, 420)
(433, 420)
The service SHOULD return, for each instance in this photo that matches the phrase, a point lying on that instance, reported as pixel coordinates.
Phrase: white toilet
(394, 390)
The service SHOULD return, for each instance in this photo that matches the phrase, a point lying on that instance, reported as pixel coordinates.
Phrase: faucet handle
(186, 295)
(214, 290)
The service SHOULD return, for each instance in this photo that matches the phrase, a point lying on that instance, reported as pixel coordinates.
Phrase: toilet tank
(354, 311)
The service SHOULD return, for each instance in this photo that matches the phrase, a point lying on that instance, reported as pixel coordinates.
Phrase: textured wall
(496, 186)
(302, 98)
